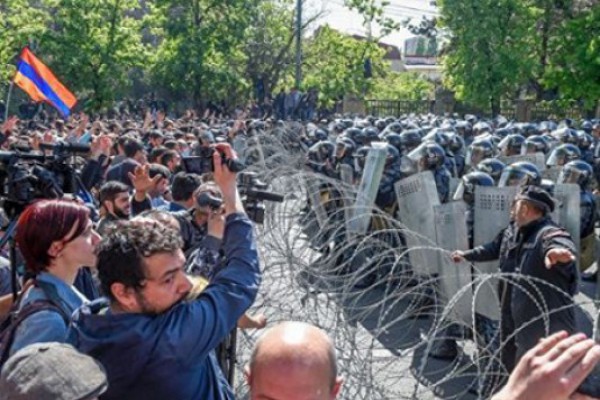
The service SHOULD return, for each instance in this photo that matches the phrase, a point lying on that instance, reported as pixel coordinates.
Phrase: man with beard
(152, 342)
(114, 204)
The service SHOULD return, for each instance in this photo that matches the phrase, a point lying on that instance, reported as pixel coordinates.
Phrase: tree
(22, 23)
(198, 55)
(402, 85)
(342, 70)
(269, 40)
(575, 67)
(488, 56)
(93, 45)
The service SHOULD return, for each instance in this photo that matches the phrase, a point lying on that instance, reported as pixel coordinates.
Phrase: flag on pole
(40, 84)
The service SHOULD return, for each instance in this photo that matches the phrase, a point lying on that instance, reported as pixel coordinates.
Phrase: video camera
(25, 177)
(254, 194)
(204, 163)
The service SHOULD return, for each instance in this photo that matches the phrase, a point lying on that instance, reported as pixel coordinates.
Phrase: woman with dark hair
(56, 239)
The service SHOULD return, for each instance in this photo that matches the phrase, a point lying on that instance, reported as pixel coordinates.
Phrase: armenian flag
(40, 84)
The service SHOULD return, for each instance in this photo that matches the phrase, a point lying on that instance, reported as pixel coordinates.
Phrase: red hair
(43, 223)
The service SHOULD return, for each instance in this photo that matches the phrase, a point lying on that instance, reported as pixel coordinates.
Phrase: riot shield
(347, 174)
(239, 145)
(348, 192)
(454, 182)
(417, 196)
(314, 194)
(539, 159)
(360, 217)
(492, 215)
(551, 173)
(567, 211)
(455, 279)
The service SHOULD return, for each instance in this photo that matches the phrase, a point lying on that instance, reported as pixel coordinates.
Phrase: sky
(340, 18)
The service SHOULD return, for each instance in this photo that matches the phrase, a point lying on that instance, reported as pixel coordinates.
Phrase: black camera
(203, 163)
(206, 199)
(253, 194)
(25, 177)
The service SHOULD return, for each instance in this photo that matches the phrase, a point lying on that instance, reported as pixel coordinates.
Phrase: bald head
(294, 361)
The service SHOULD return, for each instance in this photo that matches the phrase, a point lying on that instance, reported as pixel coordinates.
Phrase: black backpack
(9, 325)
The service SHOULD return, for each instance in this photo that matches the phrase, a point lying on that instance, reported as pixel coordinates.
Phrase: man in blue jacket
(152, 343)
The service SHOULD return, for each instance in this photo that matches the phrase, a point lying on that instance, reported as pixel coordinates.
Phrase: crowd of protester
(135, 285)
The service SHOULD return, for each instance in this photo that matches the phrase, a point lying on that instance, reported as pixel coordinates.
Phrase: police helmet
(578, 172)
(466, 187)
(493, 167)
(428, 156)
(534, 144)
(520, 174)
(321, 134)
(479, 150)
(409, 140)
(511, 144)
(344, 147)
(565, 135)
(562, 154)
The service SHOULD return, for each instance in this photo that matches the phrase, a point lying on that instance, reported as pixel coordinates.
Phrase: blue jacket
(47, 326)
(170, 356)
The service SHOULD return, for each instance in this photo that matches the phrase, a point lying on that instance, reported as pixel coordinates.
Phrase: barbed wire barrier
(383, 314)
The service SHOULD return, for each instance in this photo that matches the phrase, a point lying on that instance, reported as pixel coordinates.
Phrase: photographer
(152, 343)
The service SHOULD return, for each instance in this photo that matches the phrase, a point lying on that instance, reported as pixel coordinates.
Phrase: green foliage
(334, 65)
(405, 86)
(93, 45)
(198, 56)
(488, 56)
(21, 24)
(269, 44)
(499, 49)
(373, 11)
(575, 70)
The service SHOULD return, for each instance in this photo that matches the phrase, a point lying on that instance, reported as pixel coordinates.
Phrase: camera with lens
(25, 177)
(207, 199)
(204, 162)
(254, 194)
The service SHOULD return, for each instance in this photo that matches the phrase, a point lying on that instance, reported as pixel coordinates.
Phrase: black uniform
(525, 301)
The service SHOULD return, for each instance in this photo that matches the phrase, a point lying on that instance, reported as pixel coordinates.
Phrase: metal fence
(396, 108)
(556, 110)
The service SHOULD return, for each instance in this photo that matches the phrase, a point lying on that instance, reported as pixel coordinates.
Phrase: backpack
(9, 325)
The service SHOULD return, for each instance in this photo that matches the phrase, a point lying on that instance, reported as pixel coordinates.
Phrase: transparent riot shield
(551, 173)
(539, 159)
(348, 191)
(313, 186)
(455, 279)
(454, 182)
(567, 211)
(360, 217)
(492, 215)
(347, 174)
(417, 196)
(240, 146)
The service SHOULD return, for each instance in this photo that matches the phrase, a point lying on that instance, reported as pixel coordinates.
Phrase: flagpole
(10, 88)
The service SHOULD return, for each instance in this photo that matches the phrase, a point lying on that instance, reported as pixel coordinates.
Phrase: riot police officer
(493, 167)
(386, 196)
(466, 192)
(431, 156)
(511, 145)
(320, 158)
(478, 151)
(581, 173)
